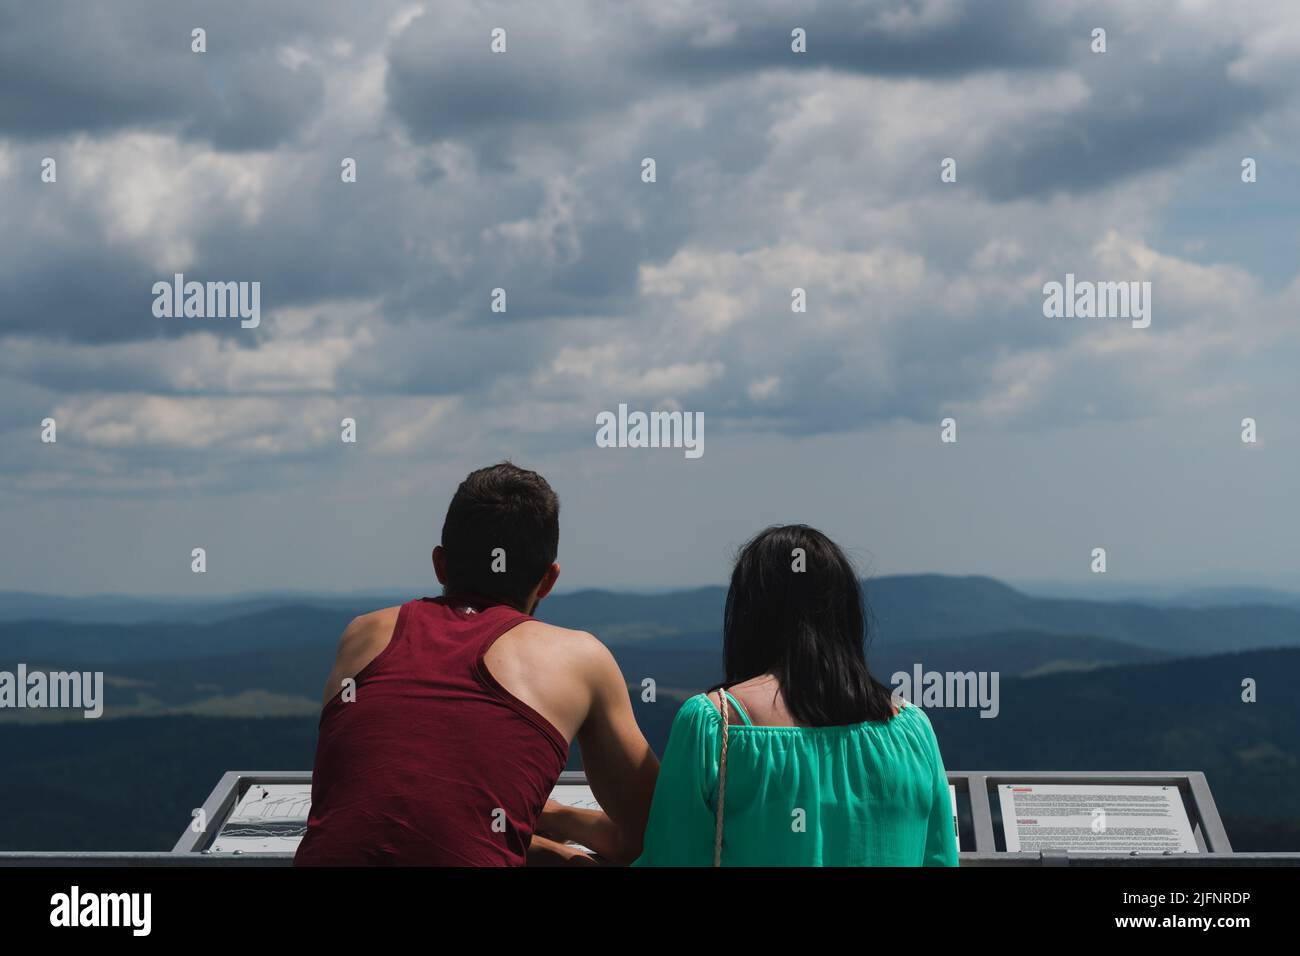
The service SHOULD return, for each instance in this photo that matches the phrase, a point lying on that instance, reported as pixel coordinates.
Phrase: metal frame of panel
(221, 801)
(1202, 814)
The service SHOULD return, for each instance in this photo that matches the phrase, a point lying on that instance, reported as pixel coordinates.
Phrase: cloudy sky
(523, 171)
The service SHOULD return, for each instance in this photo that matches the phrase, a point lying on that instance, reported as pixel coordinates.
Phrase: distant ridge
(924, 607)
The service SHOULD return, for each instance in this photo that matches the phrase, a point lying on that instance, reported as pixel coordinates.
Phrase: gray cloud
(522, 172)
(71, 67)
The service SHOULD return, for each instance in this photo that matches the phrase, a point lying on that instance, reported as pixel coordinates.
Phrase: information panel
(272, 817)
(269, 818)
(575, 795)
(1095, 819)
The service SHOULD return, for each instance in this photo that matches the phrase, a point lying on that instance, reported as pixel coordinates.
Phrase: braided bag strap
(722, 780)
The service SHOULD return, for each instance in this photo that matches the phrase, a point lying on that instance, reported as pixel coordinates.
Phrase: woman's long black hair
(803, 620)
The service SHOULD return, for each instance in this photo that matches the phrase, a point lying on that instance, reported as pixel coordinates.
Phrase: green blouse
(869, 794)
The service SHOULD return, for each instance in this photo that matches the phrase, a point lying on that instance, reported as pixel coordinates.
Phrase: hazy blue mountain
(113, 609)
(935, 607)
(70, 641)
(910, 608)
(1008, 652)
(627, 618)
(905, 608)
(1211, 597)
(273, 661)
(1172, 594)
(1014, 653)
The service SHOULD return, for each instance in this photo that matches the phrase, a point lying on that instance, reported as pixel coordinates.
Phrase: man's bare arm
(621, 768)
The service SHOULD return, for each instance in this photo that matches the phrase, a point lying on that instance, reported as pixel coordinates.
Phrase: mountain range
(198, 687)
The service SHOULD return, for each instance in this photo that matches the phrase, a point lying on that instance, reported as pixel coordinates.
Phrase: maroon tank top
(434, 763)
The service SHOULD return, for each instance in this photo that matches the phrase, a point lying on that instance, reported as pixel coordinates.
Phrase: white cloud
(157, 195)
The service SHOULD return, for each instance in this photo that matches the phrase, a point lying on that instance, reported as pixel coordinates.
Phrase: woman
(823, 767)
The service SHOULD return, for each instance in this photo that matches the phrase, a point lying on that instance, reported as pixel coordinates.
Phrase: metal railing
(975, 788)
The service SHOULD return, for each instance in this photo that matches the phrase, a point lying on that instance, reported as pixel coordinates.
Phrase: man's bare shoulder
(537, 638)
(370, 628)
(564, 636)
(384, 617)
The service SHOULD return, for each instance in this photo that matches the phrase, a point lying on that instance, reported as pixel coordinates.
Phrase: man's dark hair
(507, 507)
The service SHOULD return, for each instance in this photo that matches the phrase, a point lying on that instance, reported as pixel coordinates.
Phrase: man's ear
(440, 564)
(548, 581)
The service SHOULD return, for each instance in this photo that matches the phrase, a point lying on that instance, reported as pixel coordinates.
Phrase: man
(447, 720)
